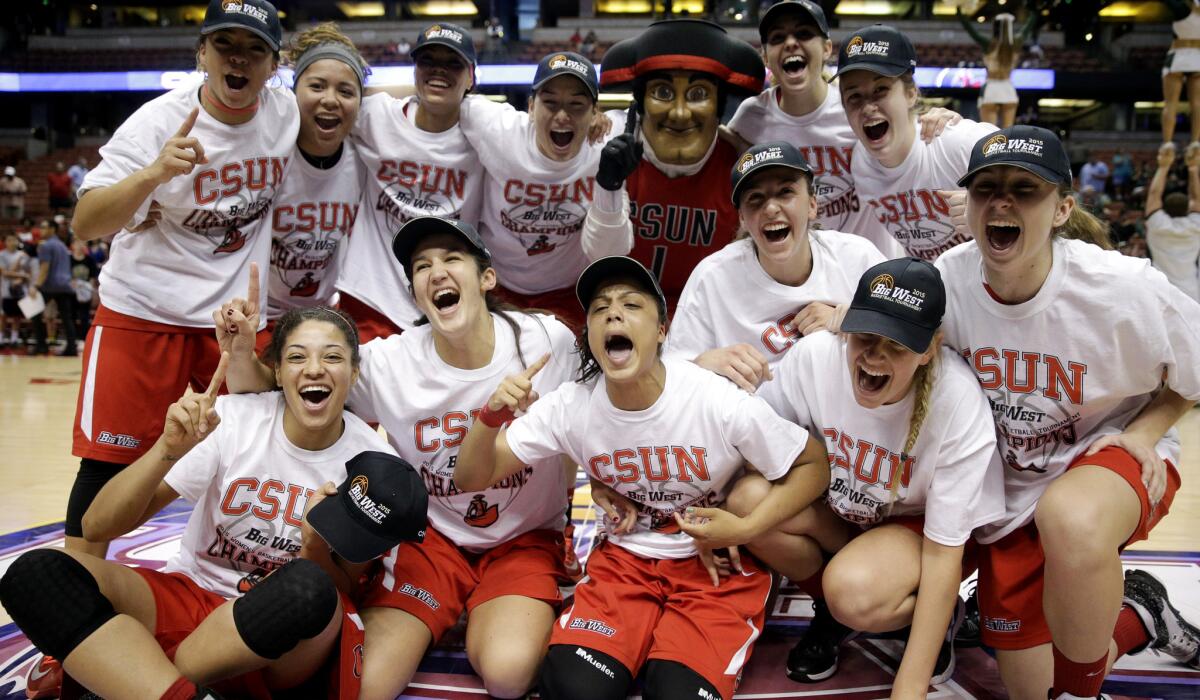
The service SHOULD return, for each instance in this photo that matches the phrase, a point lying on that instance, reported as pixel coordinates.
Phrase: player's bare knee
(853, 596)
(746, 493)
(508, 670)
(294, 603)
(1067, 526)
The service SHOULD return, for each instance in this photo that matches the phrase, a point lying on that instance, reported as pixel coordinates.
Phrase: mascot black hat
(684, 44)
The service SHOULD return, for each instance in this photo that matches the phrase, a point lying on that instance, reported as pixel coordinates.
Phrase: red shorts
(636, 609)
(133, 370)
(436, 580)
(1011, 569)
(181, 605)
(562, 303)
(916, 523)
(371, 324)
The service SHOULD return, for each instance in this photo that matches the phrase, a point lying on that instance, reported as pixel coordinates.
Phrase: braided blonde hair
(922, 388)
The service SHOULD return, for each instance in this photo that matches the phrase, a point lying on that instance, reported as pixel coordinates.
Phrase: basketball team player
(319, 201)
(800, 108)
(541, 179)
(236, 608)
(746, 304)
(187, 184)
(417, 163)
(914, 471)
(496, 554)
(899, 177)
(1089, 454)
(670, 437)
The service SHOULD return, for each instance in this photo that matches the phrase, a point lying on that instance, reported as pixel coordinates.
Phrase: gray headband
(334, 50)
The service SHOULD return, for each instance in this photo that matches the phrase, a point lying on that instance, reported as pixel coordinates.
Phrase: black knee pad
(294, 603)
(573, 672)
(671, 680)
(54, 599)
(91, 477)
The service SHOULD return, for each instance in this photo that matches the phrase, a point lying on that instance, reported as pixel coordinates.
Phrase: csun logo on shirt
(858, 47)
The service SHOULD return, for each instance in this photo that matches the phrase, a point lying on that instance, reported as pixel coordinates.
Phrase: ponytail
(1082, 225)
(922, 388)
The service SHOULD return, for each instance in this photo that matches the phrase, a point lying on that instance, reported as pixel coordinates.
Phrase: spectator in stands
(588, 46)
(1094, 174)
(54, 284)
(1122, 174)
(84, 274)
(61, 189)
(576, 41)
(403, 47)
(77, 173)
(12, 194)
(14, 276)
(1173, 222)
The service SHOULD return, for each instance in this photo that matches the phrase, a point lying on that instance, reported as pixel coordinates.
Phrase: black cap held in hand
(381, 503)
(901, 299)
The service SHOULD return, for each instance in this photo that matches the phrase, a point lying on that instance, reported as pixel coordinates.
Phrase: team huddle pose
(838, 341)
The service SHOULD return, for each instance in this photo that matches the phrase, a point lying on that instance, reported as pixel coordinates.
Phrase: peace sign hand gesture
(192, 418)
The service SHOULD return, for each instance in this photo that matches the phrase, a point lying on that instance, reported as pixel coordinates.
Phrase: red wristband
(495, 419)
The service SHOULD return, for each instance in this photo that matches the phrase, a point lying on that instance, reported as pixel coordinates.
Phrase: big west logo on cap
(870, 48)
(236, 7)
(884, 287)
(773, 153)
(1001, 144)
(437, 32)
(358, 495)
(561, 61)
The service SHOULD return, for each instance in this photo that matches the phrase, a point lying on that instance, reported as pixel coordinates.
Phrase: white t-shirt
(409, 173)
(426, 407)
(953, 474)
(730, 299)
(905, 198)
(1076, 362)
(189, 246)
(314, 211)
(533, 207)
(685, 450)
(826, 141)
(249, 485)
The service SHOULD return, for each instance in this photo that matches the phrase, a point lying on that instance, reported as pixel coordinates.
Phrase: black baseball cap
(257, 16)
(616, 267)
(567, 63)
(449, 35)
(879, 49)
(774, 154)
(803, 7)
(382, 503)
(404, 243)
(1031, 148)
(901, 299)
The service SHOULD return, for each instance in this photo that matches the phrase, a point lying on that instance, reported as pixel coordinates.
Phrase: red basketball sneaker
(45, 679)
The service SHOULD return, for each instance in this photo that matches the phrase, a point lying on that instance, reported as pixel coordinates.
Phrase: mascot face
(681, 118)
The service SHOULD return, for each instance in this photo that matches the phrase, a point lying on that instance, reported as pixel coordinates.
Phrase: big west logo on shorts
(1021, 372)
(654, 464)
